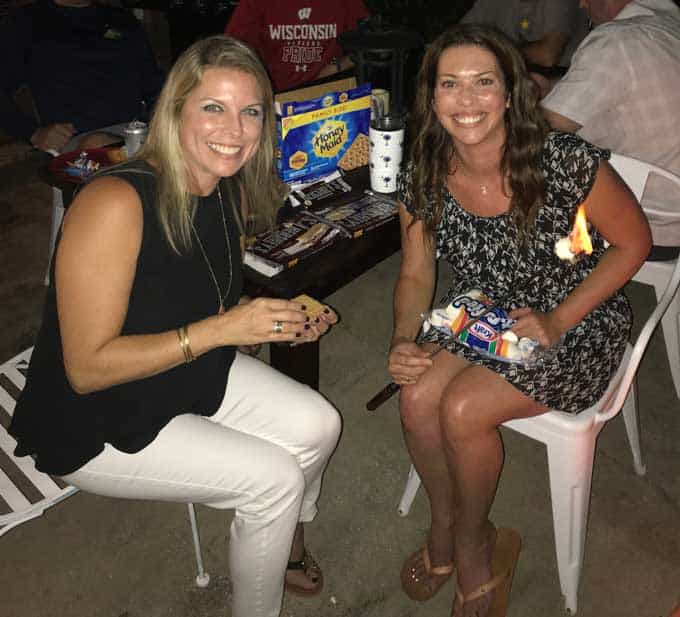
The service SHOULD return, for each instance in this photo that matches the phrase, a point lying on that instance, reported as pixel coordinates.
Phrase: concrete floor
(91, 556)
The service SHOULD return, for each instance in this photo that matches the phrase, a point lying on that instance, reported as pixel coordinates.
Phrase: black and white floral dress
(484, 253)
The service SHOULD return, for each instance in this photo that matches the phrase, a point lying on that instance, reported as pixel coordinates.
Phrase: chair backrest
(635, 174)
(25, 492)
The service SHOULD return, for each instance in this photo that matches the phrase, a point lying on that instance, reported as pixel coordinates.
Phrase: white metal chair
(656, 273)
(570, 443)
(25, 492)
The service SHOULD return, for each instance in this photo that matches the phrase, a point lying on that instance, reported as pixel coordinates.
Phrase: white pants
(262, 453)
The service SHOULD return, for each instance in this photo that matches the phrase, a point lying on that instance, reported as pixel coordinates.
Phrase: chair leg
(57, 217)
(203, 578)
(410, 490)
(570, 464)
(632, 422)
(670, 324)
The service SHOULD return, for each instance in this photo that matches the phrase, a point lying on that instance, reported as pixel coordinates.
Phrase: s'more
(313, 308)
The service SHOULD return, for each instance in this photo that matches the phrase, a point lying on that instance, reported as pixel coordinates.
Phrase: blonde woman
(136, 388)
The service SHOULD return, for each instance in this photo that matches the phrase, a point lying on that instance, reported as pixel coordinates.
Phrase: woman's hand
(271, 320)
(407, 361)
(541, 327)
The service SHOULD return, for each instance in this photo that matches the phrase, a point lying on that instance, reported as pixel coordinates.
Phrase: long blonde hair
(257, 178)
(432, 148)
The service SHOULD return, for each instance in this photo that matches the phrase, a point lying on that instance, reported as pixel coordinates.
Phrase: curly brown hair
(432, 149)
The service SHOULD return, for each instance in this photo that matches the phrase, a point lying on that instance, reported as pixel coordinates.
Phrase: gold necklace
(220, 298)
(483, 188)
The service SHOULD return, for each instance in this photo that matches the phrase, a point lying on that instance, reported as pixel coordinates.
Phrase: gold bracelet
(181, 344)
(187, 347)
(183, 336)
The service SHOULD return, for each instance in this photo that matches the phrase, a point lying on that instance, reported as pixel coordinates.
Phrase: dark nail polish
(297, 335)
(304, 307)
(327, 310)
(307, 318)
(316, 320)
(306, 326)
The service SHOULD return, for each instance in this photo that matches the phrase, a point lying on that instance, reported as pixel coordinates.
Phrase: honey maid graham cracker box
(318, 134)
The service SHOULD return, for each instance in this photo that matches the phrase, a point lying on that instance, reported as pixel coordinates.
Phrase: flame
(579, 239)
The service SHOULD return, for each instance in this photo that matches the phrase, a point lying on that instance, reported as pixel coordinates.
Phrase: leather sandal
(311, 570)
(505, 557)
(418, 587)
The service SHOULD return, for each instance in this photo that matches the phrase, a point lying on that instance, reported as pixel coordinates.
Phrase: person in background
(135, 387)
(490, 190)
(89, 68)
(622, 92)
(547, 31)
(297, 39)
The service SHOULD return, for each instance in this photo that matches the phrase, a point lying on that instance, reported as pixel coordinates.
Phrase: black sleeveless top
(64, 429)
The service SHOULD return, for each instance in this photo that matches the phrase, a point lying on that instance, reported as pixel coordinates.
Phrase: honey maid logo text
(330, 138)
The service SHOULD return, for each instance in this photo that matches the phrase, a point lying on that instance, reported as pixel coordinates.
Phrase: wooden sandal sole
(422, 589)
(505, 557)
(296, 590)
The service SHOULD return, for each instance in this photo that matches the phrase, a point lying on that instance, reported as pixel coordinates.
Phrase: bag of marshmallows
(472, 320)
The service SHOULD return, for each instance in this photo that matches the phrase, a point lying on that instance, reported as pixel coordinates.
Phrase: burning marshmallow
(578, 240)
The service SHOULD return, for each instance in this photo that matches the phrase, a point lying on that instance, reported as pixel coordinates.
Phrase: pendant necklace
(221, 299)
(483, 188)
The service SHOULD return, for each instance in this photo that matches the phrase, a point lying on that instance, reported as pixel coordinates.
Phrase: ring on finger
(278, 327)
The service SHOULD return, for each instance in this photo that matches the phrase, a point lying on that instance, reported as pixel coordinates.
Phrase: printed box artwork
(302, 236)
(318, 135)
(357, 217)
(309, 231)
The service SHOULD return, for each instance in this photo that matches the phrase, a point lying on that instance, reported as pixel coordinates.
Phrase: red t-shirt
(295, 38)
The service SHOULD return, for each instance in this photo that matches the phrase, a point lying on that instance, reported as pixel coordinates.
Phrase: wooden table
(319, 276)
(68, 185)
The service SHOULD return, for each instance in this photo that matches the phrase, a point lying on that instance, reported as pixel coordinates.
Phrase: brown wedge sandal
(505, 557)
(418, 587)
(312, 571)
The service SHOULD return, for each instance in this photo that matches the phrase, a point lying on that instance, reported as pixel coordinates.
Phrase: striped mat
(25, 492)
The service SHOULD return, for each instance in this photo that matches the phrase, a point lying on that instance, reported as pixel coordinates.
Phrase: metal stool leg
(203, 578)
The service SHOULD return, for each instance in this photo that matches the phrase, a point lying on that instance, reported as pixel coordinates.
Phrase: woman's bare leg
(473, 405)
(419, 407)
